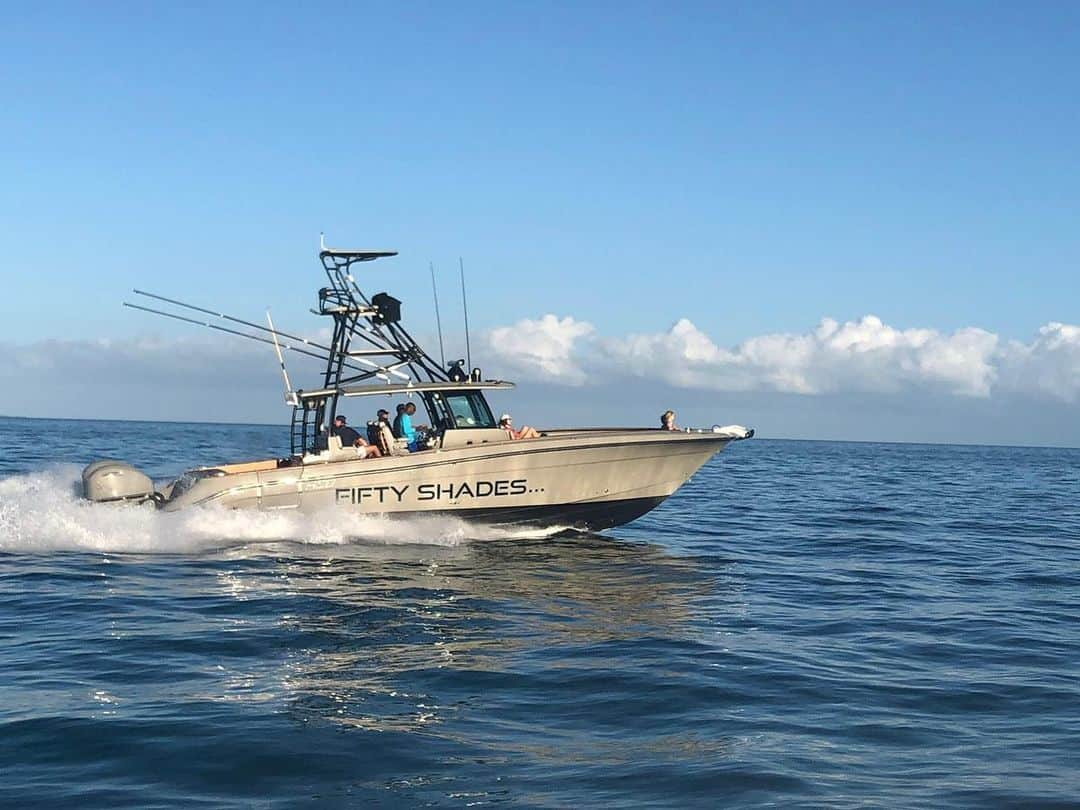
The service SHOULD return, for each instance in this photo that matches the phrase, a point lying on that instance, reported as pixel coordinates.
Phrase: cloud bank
(858, 361)
(864, 355)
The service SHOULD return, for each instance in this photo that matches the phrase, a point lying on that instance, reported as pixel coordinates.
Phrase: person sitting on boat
(382, 421)
(667, 420)
(347, 435)
(365, 449)
(350, 438)
(380, 433)
(404, 428)
(506, 422)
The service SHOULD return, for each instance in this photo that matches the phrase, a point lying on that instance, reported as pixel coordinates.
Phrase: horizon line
(757, 434)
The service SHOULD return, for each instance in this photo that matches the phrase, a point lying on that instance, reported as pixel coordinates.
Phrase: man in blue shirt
(403, 426)
(396, 427)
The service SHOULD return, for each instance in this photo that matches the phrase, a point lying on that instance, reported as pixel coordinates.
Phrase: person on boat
(506, 422)
(374, 428)
(347, 435)
(667, 420)
(381, 434)
(350, 438)
(404, 428)
(396, 426)
(365, 449)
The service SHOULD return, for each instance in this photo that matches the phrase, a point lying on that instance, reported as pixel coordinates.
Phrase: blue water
(808, 624)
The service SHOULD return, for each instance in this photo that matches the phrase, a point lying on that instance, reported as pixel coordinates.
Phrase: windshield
(470, 410)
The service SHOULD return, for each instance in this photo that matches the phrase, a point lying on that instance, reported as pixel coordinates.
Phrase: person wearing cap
(350, 438)
(347, 435)
(405, 429)
(507, 424)
(380, 432)
(382, 419)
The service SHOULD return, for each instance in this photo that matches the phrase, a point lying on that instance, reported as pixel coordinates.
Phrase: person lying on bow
(507, 424)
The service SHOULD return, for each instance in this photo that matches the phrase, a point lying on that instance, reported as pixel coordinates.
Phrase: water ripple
(805, 623)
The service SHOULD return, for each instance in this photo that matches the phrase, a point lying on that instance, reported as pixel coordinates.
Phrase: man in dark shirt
(347, 434)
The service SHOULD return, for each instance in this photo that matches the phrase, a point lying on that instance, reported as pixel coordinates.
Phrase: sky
(828, 220)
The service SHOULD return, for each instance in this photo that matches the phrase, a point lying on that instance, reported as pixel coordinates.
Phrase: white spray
(43, 512)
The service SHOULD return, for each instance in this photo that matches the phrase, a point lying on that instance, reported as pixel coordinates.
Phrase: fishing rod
(378, 371)
(438, 320)
(419, 357)
(290, 395)
(358, 355)
(216, 314)
(220, 328)
(465, 306)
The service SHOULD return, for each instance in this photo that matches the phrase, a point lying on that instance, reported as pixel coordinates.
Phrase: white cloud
(228, 379)
(542, 348)
(1049, 365)
(864, 355)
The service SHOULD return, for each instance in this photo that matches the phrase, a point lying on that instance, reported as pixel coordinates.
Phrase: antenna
(290, 395)
(438, 320)
(465, 306)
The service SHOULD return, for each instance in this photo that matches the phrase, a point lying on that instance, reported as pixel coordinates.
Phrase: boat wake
(43, 512)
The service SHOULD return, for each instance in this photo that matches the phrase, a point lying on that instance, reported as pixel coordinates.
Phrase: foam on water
(43, 511)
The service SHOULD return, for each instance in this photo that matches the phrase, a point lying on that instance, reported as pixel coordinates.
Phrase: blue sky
(752, 168)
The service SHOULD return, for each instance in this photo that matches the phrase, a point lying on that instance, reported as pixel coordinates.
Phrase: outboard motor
(117, 482)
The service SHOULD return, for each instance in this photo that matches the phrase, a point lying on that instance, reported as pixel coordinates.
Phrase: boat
(466, 465)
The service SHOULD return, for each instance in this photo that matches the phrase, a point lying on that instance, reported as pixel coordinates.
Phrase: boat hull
(575, 479)
(583, 517)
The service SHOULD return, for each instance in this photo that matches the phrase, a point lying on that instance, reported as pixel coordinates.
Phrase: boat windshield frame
(477, 415)
(441, 414)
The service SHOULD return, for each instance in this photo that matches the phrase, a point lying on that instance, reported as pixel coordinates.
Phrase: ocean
(804, 624)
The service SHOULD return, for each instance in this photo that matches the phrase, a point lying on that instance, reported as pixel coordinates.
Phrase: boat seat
(339, 453)
(248, 466)
(333, 452)
(466, 437)
(390, 445)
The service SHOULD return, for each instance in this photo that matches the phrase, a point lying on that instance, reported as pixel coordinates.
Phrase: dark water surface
(804, 624)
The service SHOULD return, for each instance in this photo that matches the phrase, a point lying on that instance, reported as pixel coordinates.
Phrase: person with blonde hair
(507, 424)
(667, 420)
